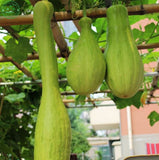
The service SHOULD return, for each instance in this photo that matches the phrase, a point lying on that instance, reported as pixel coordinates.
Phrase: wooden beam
(36, 56)
(33, 2)
(87, 100)
(148, 46)
(19, 66)
(154, 84)
(65, 16)
(30, 57)
(59, 39)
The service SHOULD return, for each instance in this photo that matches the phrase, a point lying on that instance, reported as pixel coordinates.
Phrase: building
(137, 137)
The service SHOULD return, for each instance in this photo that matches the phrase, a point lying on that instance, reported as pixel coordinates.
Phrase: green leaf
(138, 35)
(63, 85)
(2, 43)
(153, 117)
(122, 102)
(151, 2)
(6, 149)
(137, 2)
(6, 38)
(27, 153)
(79, 143)
(135, 18)
(19, 28)
(154, 40)
(102, 40)
(57, 5)
(62, 67)
(9, 8)
(12, 98)
(150, 57)
(73, 38)
(28, 31)
(18, 51)
(75, 5)
(101, 25)
(80, 100)
(104, 86)
(149, 30)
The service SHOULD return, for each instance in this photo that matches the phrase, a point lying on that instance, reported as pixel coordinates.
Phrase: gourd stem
(115, 2)
(84, 9)
(141, 2)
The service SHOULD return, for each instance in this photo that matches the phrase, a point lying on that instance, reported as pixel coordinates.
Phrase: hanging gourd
(86, 65)
(125, 72)
(53, 131)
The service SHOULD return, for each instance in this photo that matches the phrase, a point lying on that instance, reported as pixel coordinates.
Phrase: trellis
(6, 22)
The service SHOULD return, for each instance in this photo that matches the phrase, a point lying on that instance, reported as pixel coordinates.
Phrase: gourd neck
(85, 23)
(49, 73)
(117, 16)
(46, 47)
(48, 59)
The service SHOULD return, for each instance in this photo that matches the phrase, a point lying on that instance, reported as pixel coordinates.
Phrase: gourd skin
(86, 65)
(125, 70)
(53, 131)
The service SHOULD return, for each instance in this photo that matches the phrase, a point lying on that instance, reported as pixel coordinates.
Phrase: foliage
(122, 103)
(9, 8)
(18, 118)
(146, 34)
(19, 108)
(99, 155)
(79, 132)
(79, 143)
(17, 121)
(16, 134)
(77, 123)
(153, 117)
(18, 51)
(15, 7)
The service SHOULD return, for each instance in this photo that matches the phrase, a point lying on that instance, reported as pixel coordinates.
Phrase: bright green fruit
(86, 65)
(125, 70)
(53, 131)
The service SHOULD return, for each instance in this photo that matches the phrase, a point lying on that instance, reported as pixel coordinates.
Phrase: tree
(79, 132)
(19, 108)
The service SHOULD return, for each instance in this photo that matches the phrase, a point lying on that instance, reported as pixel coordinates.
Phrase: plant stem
(1, 104)
(101, 31)
(155, 36)
(151, 36)
(141, 2)
(115, 2)
(84, 9)
(72, 39)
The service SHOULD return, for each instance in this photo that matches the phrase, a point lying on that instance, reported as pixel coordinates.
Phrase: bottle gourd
(86, 65)
(125, 72)
(53, 131)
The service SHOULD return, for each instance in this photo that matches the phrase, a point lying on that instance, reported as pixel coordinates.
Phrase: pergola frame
(6, 22)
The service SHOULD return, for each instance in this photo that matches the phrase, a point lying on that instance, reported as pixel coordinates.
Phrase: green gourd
(125, 72)
(53, 131)
(86, 64)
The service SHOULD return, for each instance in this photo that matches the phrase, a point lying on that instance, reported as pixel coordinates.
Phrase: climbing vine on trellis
(20, 71)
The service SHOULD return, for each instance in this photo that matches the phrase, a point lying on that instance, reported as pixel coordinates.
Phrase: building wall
(117, 150)
(139, 144)
(139, 119)
(142, 132)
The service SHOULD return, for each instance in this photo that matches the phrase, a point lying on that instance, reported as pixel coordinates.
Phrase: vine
(26, 98)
